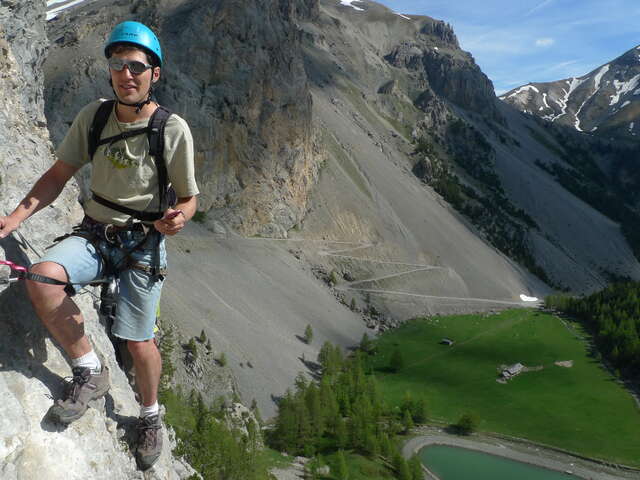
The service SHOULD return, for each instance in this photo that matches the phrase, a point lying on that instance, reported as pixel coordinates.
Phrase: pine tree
(222, 360)
(420, 411)
(342, 472)
(312, 397)
(401, 467)
(286, 429)
(386, 448)
(371, 445)
(397, 361)
(341, 433)
(323, 355)
(308, 335)
(407, 421)
(193, 348)
(203, 337)
(407, 403)
(467, 424)
(415, 468)
(366, 345)
(167, 346)
(256, 411)
(353, 306)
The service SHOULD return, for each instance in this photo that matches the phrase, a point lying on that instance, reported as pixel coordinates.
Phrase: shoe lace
(148, 432)
(74, 383)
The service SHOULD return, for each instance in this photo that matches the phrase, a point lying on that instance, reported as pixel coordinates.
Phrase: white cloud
(545, 42)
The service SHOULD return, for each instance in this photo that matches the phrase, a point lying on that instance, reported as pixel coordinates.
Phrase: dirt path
(416, 267)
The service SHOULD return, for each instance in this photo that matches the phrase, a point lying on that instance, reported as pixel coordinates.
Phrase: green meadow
(581, 409)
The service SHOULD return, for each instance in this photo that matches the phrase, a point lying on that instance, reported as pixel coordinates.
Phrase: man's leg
(59, 314)
(63, 319)
(148, 365)
(139, 295)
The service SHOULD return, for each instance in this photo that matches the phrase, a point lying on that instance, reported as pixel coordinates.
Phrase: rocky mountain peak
(440, 30)
(604, 102)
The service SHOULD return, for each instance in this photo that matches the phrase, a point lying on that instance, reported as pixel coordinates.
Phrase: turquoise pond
(453, 463)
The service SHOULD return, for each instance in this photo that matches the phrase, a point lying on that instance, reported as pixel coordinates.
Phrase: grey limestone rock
(32, 366)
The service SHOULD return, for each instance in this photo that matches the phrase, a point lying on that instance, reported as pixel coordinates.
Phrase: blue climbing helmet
(137, 34)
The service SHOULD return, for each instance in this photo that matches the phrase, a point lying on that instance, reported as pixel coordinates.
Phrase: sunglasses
(134, 66)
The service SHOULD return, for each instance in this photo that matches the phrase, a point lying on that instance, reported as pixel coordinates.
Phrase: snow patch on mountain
(596, 87)
(544, 100)
(349, 3)
(598, 77)
(53, 10)
(524, 89)
(622, 88)
(564, 102)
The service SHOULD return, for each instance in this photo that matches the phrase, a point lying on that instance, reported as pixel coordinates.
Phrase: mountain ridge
(605, 101)
(383, 186)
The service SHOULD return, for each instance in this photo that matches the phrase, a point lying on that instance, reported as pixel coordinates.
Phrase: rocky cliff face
(401, 77)
(447, 71)
(234, 71)
(32, 367)
(604, 102)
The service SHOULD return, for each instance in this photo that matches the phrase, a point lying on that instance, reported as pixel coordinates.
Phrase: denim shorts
(138, 291)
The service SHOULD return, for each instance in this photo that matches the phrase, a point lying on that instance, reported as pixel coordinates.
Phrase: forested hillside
(613, 317)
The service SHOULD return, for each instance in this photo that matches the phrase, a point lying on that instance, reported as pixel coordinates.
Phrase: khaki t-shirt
(124, 172)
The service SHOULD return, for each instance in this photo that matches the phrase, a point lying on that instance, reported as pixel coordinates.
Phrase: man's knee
(38, 290)
(141, 348)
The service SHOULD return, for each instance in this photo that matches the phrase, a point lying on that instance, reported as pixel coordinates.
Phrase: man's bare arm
(45, 191)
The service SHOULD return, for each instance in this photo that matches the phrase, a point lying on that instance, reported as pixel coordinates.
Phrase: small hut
(512, 370)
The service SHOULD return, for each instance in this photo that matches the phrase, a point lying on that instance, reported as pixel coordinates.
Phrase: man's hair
(129, 47)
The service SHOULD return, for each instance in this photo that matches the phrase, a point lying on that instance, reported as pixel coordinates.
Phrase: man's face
(131, 87)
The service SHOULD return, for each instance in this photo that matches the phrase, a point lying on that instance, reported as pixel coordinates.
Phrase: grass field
(581, 409)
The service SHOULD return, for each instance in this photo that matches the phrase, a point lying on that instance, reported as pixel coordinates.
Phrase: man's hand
(8, 225)
(45, 191)
(172, 222)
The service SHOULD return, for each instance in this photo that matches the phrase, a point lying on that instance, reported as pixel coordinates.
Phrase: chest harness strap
(166, 195)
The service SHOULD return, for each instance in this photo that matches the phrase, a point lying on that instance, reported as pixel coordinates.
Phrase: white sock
(88, 360)
(150, 410)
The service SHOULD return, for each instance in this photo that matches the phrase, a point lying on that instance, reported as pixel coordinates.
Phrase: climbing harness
(155, 135)
(21, 273)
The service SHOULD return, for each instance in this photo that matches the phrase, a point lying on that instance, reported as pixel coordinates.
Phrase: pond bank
(520, 451)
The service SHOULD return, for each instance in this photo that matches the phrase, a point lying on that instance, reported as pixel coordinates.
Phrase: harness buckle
(107, 235)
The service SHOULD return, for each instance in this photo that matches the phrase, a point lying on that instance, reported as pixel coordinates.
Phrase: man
(122, 233)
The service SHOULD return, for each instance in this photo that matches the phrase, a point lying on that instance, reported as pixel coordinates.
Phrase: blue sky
(521, 41)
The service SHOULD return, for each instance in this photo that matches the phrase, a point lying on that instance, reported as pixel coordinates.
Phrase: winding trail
(415, 267)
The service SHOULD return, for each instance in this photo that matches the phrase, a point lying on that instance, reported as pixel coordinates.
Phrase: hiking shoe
(149, 441)
(82, 388)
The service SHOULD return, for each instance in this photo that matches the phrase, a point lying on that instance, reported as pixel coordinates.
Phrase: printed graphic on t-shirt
(119, 158)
